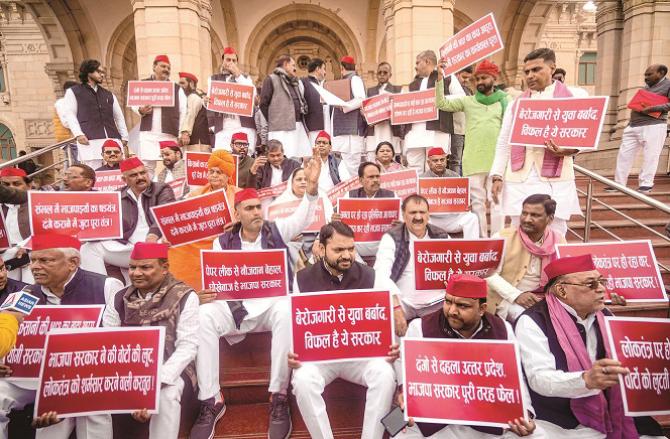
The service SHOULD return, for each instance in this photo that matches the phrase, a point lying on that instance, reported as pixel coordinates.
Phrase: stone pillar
(413, 26)
(177, 28)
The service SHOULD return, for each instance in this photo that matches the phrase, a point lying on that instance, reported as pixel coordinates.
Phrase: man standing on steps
(235, 319)
(338, 270)
(527, 170)
(645, 130)
(383, 131)
(315, 119)
(194, 130)
(93, 113)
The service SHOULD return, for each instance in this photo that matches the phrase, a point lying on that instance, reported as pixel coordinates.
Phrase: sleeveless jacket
(95, 112)
(314, 117)
(351, 123)
(400, 236)
(85, 288)
(169, 116)
(317, 278)
(445, 121)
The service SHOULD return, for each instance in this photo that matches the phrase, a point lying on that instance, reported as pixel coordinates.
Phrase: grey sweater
(662, 88)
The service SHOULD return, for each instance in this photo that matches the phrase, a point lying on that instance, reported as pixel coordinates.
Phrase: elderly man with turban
(185, 260)
(483, 119)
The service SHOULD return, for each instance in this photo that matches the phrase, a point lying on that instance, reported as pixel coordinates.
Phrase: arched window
(7, 144)
(587, 69)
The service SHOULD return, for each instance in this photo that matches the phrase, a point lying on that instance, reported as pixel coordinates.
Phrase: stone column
(177, 28)
(413, 26)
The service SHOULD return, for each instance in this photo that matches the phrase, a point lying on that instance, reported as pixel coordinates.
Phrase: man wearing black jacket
(275, 168)
(314, 119)
(383, 131)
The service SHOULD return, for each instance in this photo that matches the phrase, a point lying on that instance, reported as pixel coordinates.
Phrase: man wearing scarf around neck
(156, 298)
(529, 170)
(464, 316)
(573, 382)
(483, 117)
(284, 106)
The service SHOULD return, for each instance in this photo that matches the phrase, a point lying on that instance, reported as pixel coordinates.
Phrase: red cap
(245, 194)
(323, 134)
(46, 241)
(168, 144)
(467, 285)
(13, 172)
(436, 151)
(348, 59)
(488, 68)
(229, 51)
(149, 250)
(111, 143)
(162, 58)
(188, 75)
(568, 265)
(130, 163)
(239, 136)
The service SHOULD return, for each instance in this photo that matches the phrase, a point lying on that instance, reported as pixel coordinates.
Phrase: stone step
(620, 227)
(633, 209)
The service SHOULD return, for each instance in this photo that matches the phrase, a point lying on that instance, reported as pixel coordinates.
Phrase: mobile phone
(394, 421)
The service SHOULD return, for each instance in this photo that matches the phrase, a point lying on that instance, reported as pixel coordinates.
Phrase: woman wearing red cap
(185, 259)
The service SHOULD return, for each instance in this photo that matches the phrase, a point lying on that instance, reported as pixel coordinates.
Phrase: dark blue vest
(12, 287)
(85, 288)
(95, 112)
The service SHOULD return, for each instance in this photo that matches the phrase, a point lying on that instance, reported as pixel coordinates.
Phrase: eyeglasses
(241, 145)
(592, 284)
(322, 142)
(112, 152)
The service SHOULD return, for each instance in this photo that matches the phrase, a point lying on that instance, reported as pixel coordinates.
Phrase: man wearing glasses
(93, 113)
(239, 144)
(111, 155)
(383, 131)
(574, 385)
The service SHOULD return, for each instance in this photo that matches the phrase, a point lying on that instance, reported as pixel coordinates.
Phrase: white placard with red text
(630, 267)
(231, 98)
(446, 195)
(459, 381)
(90, 216)
(413, 107)
(245, 274)
(643, 346)
(475, 42)
(569, 122)
(101, 371)
(26, 356)
(108, 181)
(190, 220)
(369, 218)
(341, 325)
(435, 260)
(153, 93)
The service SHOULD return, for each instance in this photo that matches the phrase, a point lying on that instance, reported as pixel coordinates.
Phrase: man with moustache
(194, 129)
(17, 223)
(383, 131)
(160, 123)
(111, 156)
(79, 177)
(284, 106)
(483, 117)
(239, 145)
(338, 270)
(394, 261)
(525, 170)
(139, 225)
(333, 169)
(464, 316)
(92, 113)
(275, 168)
(223, 125)
(175, 167)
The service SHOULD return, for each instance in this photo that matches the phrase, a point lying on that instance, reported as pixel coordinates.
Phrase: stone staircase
(245, 367)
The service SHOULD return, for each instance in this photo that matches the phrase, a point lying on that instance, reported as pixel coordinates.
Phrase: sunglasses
(112, 152)
(594, 284)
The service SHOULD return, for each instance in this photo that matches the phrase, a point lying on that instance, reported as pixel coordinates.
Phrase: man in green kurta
(483, 118)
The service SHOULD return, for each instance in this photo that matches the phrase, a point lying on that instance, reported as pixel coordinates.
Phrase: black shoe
(280, 417)
(209, 415)
(644, 189)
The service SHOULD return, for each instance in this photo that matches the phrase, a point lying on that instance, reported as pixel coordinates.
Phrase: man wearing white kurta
(224, 125)
(92, 113)
(160, 123)
(434, 133)
(333, 169)
(337, 270)
(59, 280)
(383, 131)
(531, 170)
(235, 319)
(348, 124)
(149, 301)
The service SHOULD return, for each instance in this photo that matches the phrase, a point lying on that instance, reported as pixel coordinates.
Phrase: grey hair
(70, 252)
(428, 55)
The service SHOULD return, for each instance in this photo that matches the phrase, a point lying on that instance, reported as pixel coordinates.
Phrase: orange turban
(223, 160)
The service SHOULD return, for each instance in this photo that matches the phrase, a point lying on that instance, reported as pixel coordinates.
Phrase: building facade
(42, 43)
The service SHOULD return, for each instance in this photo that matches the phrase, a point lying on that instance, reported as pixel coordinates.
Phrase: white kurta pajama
(351, 146)
(518, 185)
(232, 125)
(382, 133)
(149, 149)
(16, 395)
(418, 138)
(216, 319)
(90, 154)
